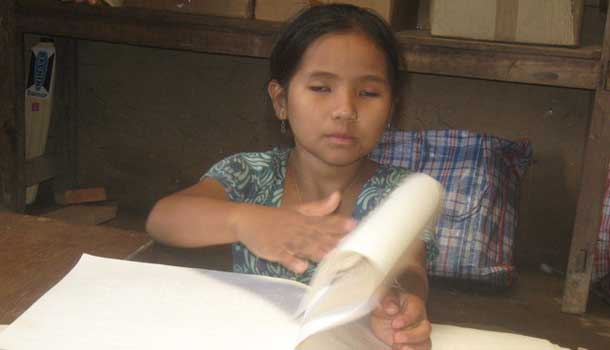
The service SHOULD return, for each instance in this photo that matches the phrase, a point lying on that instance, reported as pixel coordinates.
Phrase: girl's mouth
(342, 139)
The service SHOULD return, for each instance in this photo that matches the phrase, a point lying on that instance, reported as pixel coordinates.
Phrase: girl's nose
(345, 109)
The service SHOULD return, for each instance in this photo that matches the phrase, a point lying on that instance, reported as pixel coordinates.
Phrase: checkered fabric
(601, 266)
(481, 175)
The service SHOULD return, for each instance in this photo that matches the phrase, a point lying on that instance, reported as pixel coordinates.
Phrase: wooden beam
(596, 163)
(19, 183)
(42, 168)
(8, 108)
(503, 66)
(145, 27)
(81, 195)
(84, 214)
(544, 65)
(66, 120)
(410, 38)
(213, 258)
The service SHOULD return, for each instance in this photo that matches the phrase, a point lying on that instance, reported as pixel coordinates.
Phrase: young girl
(334, 84)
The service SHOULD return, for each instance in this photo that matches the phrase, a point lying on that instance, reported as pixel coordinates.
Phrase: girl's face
(339, 101)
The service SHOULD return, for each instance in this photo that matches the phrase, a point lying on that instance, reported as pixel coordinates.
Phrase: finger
(335, 227)
(345, 226)
(326, 241)
(415, 335)
(427, 345)
(413, 311)
(389, 306)
(326, 247)
(316, 245)
(293, 263)
(306, 246)
(322, 207)
(315, 253)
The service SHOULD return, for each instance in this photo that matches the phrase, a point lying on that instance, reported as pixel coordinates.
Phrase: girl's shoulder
(250, 176)
(389, 176)
(383, 181)
(254, 161)
(259, 159)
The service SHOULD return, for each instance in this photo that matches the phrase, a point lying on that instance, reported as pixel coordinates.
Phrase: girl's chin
(337, 156)
(343, 159)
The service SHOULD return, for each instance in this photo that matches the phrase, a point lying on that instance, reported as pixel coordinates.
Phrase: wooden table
(211, 258)
(36, 252)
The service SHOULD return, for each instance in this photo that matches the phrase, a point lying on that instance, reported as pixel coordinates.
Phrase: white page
(385, 235)
(350, 280)
(446, 337)
(115, 304)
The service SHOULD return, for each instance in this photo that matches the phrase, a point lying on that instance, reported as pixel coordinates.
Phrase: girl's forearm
(193, 221)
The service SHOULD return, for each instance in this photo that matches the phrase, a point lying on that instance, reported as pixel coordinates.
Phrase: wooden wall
(7, 99)
(152, 121)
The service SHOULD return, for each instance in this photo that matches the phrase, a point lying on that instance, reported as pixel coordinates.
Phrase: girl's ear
(278, 97)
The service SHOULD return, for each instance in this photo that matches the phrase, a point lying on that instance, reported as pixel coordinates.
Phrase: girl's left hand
(401, 321)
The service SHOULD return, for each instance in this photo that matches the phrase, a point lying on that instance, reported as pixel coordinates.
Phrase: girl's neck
(315, 180)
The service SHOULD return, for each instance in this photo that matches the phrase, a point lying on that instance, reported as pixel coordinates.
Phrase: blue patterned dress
(258, 178)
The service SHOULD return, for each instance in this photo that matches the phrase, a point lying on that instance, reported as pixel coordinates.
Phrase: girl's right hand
(292, 236)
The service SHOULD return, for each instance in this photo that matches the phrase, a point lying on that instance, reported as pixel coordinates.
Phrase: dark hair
(319, 20)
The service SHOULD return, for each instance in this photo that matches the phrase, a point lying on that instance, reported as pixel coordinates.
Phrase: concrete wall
(153, 120)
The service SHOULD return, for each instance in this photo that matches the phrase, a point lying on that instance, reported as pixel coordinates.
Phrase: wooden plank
(81, 195)
(607, 78)
(590, 199)
(19, 184)
(213, 258)
(84, 214)
(147, 27)
(410, 38)
(35, 253)
(69, 19)
(545, 65)
(150, 16)
(42, 168)
(66, 121)
(8, 141)
(503, 66)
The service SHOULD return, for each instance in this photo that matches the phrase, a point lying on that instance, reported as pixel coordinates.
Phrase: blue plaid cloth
(602, 254)
(481, 174)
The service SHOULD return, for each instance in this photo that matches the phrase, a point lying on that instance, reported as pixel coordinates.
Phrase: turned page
(348, 282)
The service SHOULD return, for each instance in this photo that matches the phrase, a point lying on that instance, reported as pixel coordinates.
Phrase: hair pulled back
(316, 21)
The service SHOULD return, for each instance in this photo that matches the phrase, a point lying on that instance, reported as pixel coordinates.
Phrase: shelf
(534, 64)
(152, 28)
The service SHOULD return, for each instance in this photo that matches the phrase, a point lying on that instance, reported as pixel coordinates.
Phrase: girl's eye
(319, 88)
(366, 93)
